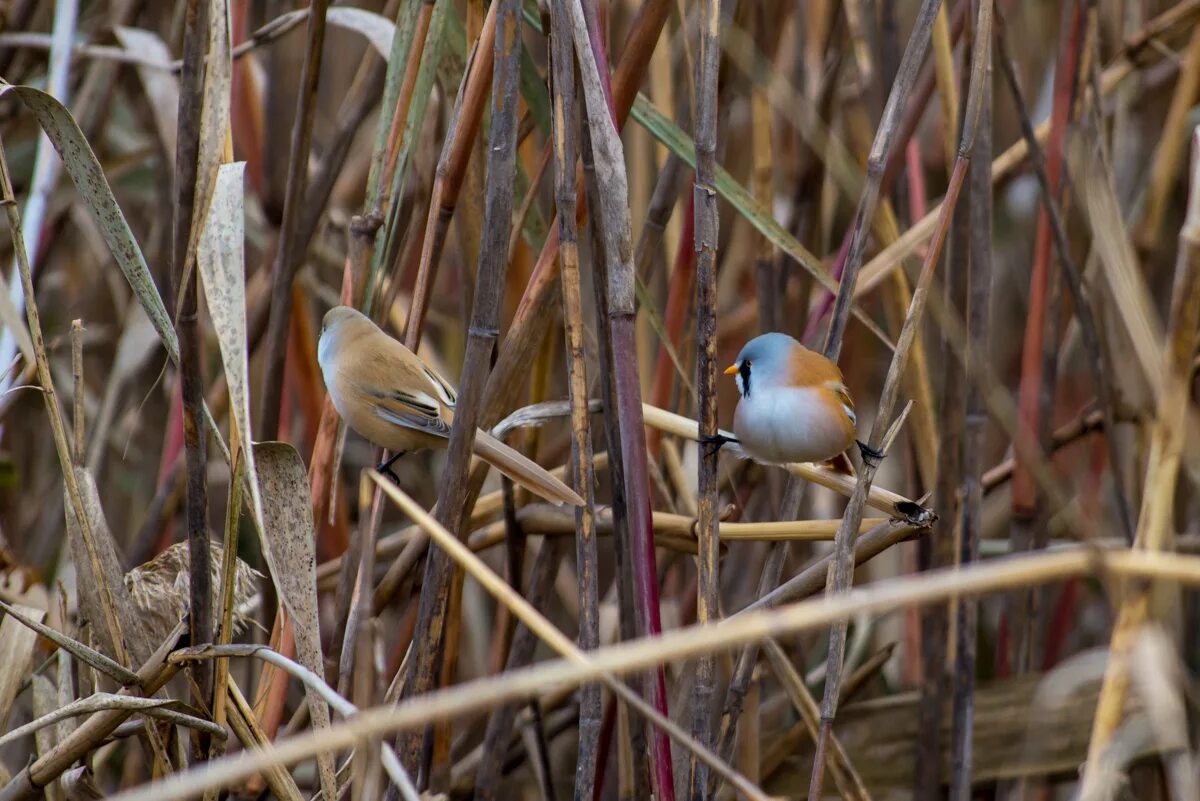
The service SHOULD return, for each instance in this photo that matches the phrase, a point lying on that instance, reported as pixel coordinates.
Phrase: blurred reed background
(578, 211)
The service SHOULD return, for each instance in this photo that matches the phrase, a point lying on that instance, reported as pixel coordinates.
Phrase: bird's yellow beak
(731, 369)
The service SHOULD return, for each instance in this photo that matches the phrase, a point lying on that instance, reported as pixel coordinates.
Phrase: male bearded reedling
(794, 404)
(388, 395)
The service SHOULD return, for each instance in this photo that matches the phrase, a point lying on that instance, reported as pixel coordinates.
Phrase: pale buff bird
(794, 403)
(392, 398)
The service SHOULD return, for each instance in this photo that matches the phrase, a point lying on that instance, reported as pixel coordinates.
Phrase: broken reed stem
(288, 254)
(196, 21)
(485, 317)
(1156, 520)
(841, 569)
(706, 232)
(564, 121)
(1083, 309)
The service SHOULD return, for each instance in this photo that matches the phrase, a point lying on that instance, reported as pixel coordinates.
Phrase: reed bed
(987, 213)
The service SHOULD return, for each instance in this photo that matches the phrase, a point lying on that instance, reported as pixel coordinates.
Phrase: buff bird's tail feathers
(523, 470)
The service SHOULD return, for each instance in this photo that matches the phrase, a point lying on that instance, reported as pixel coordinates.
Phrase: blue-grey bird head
(762, 361)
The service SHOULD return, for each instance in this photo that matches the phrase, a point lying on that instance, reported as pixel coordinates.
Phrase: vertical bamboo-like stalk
(978, 314)
(195, 43)
(288, 254)
(562, 60)
(704, 204)
(1155, 522)
(493, 261)
(840, 566)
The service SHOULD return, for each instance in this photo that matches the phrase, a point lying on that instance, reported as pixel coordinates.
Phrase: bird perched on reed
(388, 395)
(794, 403)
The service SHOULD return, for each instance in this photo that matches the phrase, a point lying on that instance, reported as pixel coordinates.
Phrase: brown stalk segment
(288, 254)
(564, 121)
(841, 568)
(196, 21)
(455, 487)
(704, 203)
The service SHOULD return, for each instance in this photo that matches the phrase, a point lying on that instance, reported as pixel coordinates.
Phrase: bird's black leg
(714, 443)
(869, 454)
(386, 467)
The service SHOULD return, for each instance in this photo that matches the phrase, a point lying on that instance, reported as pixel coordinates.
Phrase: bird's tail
(523, 470)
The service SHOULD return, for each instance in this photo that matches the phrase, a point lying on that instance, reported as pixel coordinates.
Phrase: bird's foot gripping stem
(386, 467)
(714, 443)
(870, 455)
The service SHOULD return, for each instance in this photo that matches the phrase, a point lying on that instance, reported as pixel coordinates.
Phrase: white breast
(780, 425)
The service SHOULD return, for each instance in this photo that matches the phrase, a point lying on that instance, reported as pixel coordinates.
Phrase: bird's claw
(386, 467)
(870, 455)
(714, 443)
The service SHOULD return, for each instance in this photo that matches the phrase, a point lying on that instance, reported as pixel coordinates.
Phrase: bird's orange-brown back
(811, 369)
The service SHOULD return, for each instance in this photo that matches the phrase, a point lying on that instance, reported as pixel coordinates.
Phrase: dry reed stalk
(1126, 62)
(624, 658)
(704, 204)
(586, 552)
(539, 625)
(978, 313)
(840, 570)
(186, 279)
(1155, 526)
(452, 497)
(288, 254)
(1164, 170)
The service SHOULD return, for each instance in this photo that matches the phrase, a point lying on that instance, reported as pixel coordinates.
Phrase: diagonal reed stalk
(628, 657)
(493, 262)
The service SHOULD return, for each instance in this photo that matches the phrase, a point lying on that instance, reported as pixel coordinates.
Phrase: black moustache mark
(744, 369)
